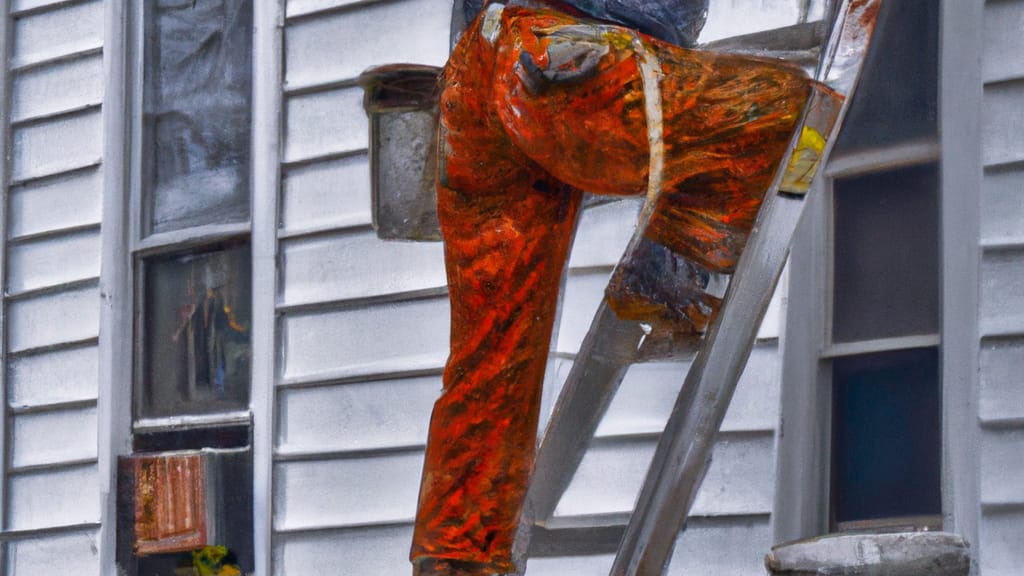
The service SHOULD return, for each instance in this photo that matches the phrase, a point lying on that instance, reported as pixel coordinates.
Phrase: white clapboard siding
(346, 302)
(66, 29)
(739, 482)
(33, 437)
(340, 45)
(645, 398)
(370, 552)
(386, 338)
(50, 498)
(719, 546)
(1002, 206)
(1002, 283)
(648, 392)
(603, 233)
(584, 291)
(51, 319)
(58, 376)
(347, 491)
(1002, 391)
(735, 17)
(58, 145)
(359, 416)
(323, 123)
(58, 87)
(51, 297)
(725, 547)
(357, 265)
(71, 200)
(70, 553)
(329, 194)
(1002, 467)
(1002, 122)
(52, 261)
(1001, 396)
(1002, 532)
(1004, 41)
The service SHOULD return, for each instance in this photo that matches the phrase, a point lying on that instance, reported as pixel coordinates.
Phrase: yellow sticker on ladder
(804, 162)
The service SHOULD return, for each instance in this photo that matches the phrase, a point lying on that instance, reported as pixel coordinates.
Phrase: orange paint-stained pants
(537, 106)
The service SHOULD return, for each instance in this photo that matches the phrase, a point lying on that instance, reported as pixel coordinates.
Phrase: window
(861, 399)
(192, 270)
(883, 339)
(885, 393)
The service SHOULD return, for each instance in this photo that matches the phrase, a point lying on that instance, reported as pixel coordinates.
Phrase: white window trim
(803, 483)
(123, 243)
(801, 504)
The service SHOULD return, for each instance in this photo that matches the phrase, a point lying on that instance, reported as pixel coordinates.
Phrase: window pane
(886, 435)
(886, 255)
(896, 100)
(197, 83)
(195, 328)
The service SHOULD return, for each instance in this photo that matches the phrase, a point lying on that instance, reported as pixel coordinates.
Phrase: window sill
(893, 554)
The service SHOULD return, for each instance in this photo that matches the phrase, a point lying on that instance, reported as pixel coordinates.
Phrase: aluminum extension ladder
(684, 451)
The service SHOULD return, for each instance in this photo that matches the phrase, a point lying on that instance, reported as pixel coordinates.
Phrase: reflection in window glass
(886, 430)
(197, 93)
(196, 347)
(886, 265)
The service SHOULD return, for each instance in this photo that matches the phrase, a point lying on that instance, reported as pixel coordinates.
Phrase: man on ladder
(542, 100)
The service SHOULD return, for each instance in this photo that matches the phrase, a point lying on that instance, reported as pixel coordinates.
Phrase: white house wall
(363, 324)
(1001, 402)
(363, 331)
(52, 238)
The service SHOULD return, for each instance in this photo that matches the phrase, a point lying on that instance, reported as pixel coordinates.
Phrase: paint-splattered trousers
(538, 106)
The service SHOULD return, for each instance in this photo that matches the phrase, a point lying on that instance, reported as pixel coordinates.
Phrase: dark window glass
(896, 100)
(196, 352)
(886, 255)
(222, 436)
(886, 430)
(197, 93)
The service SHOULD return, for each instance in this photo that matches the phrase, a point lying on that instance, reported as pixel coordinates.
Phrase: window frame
(803, 484)
(801, 506)
(124, 247)
(877, 160)
(143, 247)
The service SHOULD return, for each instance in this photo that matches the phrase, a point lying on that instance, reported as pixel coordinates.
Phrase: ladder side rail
(684, 451)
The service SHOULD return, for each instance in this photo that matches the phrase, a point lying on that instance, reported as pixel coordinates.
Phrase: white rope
(650, 75)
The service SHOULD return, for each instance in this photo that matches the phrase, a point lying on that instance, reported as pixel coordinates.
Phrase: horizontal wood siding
(356, 417)
(76, 552)
(363, 324)
(739, 482)
(64, 30)
(369, 550)
(357, 265)
(325, 195)
(51, 295)
(1001, 397)
(43, 499)
(1002, 393)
